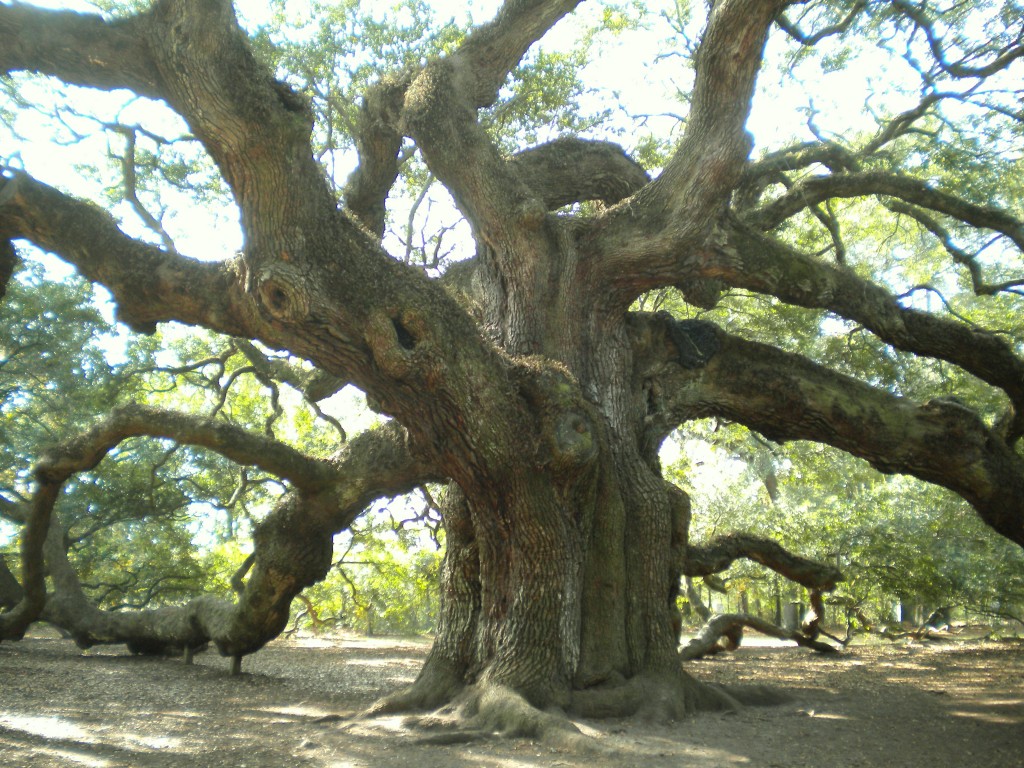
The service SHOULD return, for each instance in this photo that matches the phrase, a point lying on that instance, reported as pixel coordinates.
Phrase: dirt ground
(942, 705)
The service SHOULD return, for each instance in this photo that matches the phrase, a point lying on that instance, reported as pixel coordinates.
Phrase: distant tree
(535, 377)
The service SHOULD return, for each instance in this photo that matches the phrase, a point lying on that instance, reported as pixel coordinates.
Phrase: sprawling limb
(675, 213)
(731, 625)
(149, 285)
(719, 554)
(816, 189)
(50, 42)
(301, 281)
(787, 397)
(292, 545)
(747, 259)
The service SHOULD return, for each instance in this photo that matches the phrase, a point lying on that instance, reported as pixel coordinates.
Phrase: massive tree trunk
(526, 381)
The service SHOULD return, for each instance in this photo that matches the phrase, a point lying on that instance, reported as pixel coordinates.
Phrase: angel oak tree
(523, 377)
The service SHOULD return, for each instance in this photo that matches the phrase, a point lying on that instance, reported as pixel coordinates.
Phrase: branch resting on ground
(730, 626)
(292, 544)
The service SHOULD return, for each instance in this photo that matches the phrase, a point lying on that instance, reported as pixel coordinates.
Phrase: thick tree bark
(545, 407)
(292, 545)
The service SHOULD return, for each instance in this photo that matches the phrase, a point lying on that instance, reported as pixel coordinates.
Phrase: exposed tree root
(437, 684)
(486, 710)
(483, 711)
(661, 698)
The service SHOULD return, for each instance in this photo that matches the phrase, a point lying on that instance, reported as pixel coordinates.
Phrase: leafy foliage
(156, 523)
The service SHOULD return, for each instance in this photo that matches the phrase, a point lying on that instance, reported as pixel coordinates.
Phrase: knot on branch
(288, 543)
(960, 421)
(283, 295)
(571, 170)
(703, 293)
(695, 341)
(398, 339)
(567, 427)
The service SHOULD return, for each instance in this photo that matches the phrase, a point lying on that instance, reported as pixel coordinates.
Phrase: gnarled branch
(817, 189)
(717, 555)
(744, 258)
(292, 544)
(787, 397)
(149, 284)
(731, 625)
(673, 213)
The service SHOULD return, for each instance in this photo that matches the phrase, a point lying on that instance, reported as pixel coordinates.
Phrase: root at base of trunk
(653, 698)
(460, 714)
(479, 712)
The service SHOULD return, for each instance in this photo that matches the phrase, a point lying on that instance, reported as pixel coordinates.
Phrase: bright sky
(625, 71)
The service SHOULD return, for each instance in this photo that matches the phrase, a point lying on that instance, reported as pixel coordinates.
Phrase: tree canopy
(535, 279)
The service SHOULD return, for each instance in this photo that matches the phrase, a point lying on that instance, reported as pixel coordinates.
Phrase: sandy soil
(940, 706)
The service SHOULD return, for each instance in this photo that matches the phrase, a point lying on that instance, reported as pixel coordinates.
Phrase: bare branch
(149, 285)
(957, 69)
(770, 169)
(309, 382)
(237, 444)
(831, 30)
(129, 177)
(960, 256)
(471, 79)
(717, 555)
(817, 189)
(787, 397)
(715, 144)
(79, 48)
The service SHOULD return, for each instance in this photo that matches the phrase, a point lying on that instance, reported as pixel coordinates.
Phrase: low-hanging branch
(292, 544)
(731, 626)
(785, 396)
(747, 259)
